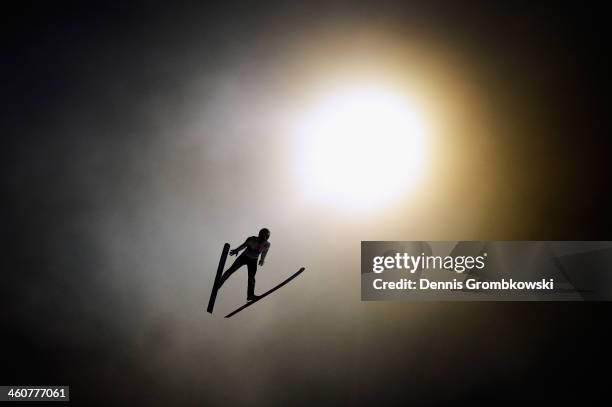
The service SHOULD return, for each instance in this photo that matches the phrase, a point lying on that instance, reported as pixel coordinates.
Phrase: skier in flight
(255, 247)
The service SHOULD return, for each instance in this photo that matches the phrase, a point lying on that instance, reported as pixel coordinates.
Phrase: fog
(145, 145)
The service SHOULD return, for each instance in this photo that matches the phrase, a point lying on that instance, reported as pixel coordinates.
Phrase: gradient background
(138, 139)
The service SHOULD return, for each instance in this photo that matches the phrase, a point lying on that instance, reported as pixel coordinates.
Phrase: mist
(141, 140)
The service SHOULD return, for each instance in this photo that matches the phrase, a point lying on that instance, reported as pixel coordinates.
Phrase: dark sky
(135, 144)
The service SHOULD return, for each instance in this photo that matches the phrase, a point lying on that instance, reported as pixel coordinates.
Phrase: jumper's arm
(241, 247)
(264, 252)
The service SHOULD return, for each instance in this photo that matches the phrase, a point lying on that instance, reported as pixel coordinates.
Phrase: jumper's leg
(239, 262)
(252, 269)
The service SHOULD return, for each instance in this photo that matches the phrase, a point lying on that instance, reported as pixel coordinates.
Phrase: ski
(213, 294)
(270, 291)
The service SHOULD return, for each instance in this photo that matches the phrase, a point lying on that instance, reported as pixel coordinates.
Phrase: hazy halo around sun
(360, 147)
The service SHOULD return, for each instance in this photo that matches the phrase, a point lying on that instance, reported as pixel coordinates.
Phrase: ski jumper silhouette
(254, 247)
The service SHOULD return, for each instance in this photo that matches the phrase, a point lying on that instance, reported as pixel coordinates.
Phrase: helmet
(264, 233)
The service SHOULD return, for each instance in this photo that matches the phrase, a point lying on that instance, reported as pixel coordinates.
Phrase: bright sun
(360, 148)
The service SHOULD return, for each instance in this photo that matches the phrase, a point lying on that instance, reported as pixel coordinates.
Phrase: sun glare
(360, 148)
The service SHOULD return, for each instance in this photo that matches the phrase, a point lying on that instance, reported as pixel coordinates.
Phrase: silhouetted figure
(254, 247)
